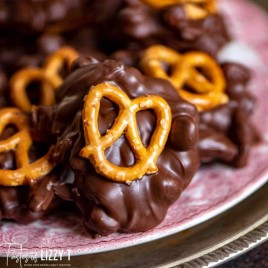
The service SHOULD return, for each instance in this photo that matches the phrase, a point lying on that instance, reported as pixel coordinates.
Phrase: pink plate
(213, 190)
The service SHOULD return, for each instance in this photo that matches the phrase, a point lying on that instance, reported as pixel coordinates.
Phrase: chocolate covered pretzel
(219, 92)
(30, 185)
(49, 76)
(39, 16)
(226, 132)
(142, 203)
(180, 25)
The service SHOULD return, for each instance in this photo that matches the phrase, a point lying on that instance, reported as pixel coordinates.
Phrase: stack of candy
(113, 105)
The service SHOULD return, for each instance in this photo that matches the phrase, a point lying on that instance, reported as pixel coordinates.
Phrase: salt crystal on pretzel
(125, 123)
(208, 93)
(194, 9)
(48, 76)
(20, 143)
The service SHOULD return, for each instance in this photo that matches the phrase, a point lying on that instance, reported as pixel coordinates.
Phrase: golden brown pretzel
(48, 76)
(21, 79)
(194, 9)
(125, 123)
(56, 62)
(208, 93)
(20, 143)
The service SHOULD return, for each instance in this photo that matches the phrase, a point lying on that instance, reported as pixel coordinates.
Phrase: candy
(208, 93)
(48, 76)
(20, 142)
(146, 158)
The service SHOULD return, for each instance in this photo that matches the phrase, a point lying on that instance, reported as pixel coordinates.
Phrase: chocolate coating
(29, 202)
(226, 132)
(25, 204)
(37, 16)
(136, 25)
(208, 35)
(41, 27)
(3, 89)
(21, 51)
(108, 206)
(14, 205)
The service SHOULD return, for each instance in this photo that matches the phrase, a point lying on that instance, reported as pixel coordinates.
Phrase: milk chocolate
(3, 89)
(136, 25)
(109, 206)
(30, 16)
(122, 28)
(27, 203)
(226, 132)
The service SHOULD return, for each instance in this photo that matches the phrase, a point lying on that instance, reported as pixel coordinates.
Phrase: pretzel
(125, 123)
(21, 79)
(208, 93)
(55, 62)
(194, 9)
(20, 143)
(48, 76)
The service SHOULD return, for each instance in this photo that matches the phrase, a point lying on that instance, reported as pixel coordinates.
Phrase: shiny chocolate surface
(108, 206)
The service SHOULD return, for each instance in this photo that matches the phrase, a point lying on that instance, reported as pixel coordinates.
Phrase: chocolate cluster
(30, 16)
(27, 203)
(226, 132)
(108, 206)
(136, 25)
(111, 37)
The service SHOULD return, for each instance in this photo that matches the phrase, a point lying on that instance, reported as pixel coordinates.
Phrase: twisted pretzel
(48, 76)
(20, 81)
(56, 62)
(20, 143)
(194, 9)
(208, 93)
(96, 145)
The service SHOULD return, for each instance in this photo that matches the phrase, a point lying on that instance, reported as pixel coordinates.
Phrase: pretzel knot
(20, 143)
(48, 76)
(125, 123)
(194, 9)
(207, 87)
(57, 61)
